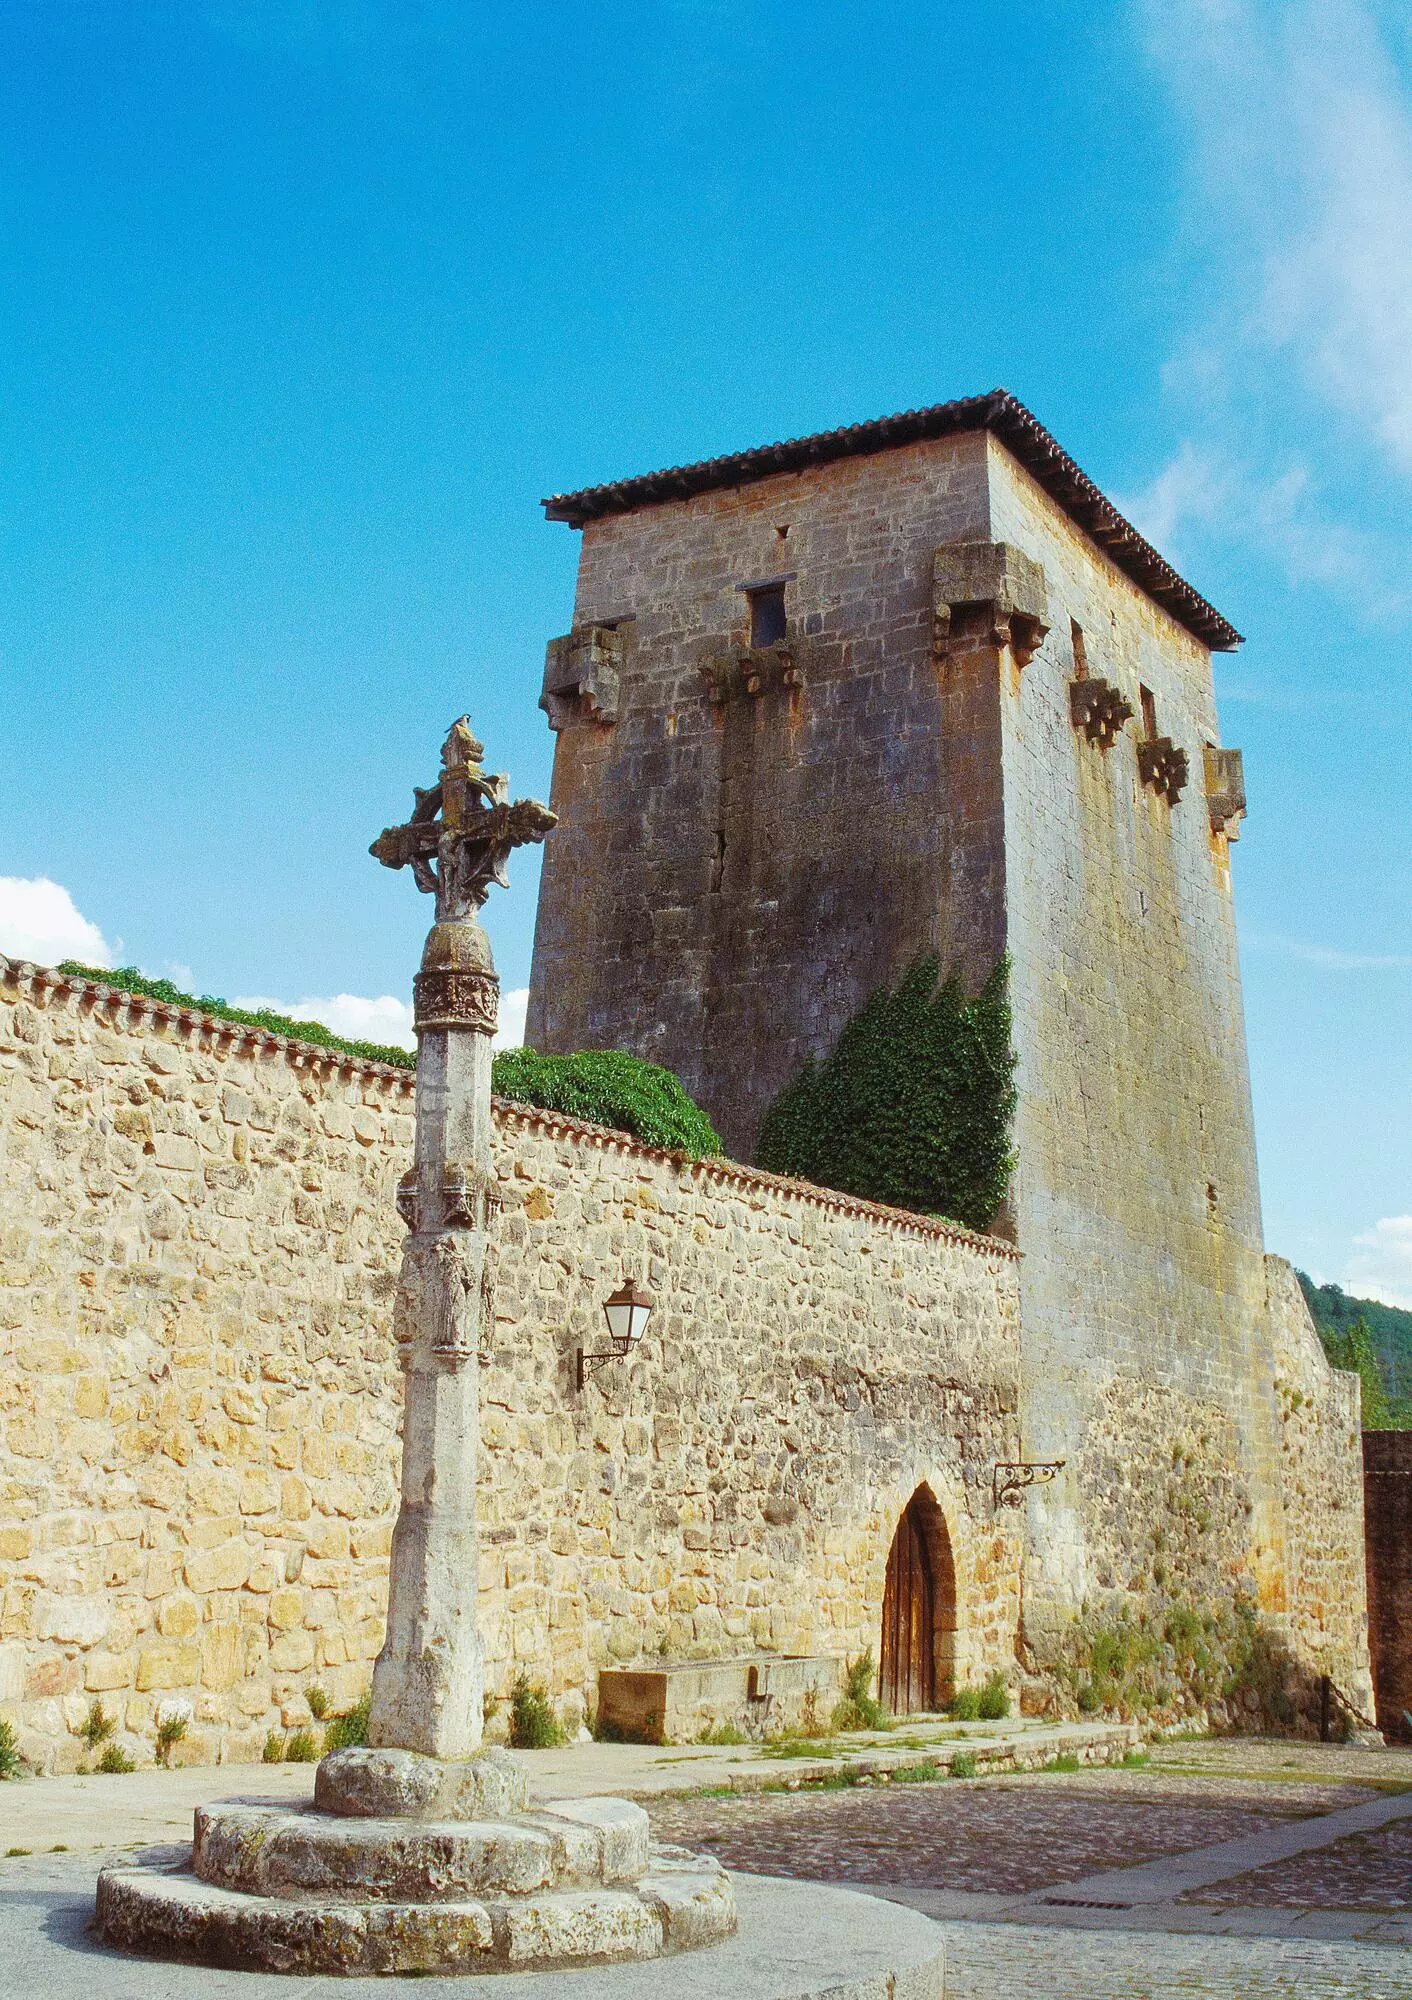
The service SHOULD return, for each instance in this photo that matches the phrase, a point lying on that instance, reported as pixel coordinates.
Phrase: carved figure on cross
(476, 833)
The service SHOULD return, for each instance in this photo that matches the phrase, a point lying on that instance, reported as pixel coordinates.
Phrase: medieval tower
(917, 686)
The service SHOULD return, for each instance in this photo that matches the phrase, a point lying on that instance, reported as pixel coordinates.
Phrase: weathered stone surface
(685, 1903)
(263, 1851)
(622, 1827)
(394, 1784)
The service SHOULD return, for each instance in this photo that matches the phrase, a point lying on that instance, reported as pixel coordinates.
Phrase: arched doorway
(919, 1611)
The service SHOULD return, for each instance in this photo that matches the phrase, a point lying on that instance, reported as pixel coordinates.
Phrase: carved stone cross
(427, 1682)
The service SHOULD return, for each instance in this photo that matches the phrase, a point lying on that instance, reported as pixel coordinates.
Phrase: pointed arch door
(919, 1610)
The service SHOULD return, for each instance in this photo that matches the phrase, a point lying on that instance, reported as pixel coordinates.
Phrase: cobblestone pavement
(1017, 1962)
(1001, 1836)
(1366, 1871)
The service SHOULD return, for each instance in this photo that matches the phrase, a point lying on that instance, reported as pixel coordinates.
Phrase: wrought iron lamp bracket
(1010, 1478)
(586, 1363)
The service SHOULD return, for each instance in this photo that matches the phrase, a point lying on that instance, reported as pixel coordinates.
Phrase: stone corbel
(1099, 710)
(1163, 766)
(581, 675)
(752, 671)
(998, 578)
(1225, 790)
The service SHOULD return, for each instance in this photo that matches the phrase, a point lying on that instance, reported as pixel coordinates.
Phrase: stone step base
(680, 1904)
(264, 1850)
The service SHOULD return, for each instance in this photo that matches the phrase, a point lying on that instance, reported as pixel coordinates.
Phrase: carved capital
(1099, 710)
(998, 578)
(1225, 790)
(581, 675)
(1163, 766)
(456, 999)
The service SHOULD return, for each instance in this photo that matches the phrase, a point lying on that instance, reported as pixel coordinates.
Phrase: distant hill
(1390, 1327)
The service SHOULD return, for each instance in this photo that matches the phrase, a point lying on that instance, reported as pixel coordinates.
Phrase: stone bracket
(1225, 790)
(995, 576)
(581, 675)
(752, 671)
(1099, 710)
(1163, 766)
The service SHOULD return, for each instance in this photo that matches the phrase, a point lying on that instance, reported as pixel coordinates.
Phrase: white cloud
(386, 1019)
(1328, 956)
(1381, 1266)
(1302, 129)
(512, 1018)
(40, 921)
(1298, 122)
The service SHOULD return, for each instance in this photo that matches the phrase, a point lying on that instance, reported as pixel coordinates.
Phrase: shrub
(301, 1748)
(115, 1761)
(172, 1720)
(98, 1725)
(965, 1704)
(720, 1732)
(318, 1703)
(533, 1723)
(963, 1764)
(349, 1732)
(609, 1088)
(858, 1709)
(994, 1702)
(273, 1752)
(913, 1106)
(10, 1764)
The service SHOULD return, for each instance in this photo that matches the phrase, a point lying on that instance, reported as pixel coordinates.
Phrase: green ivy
(609, 1088)
(914, 1105)
(128, 979)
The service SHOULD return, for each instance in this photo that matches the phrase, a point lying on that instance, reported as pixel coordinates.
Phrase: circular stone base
(682, 1902)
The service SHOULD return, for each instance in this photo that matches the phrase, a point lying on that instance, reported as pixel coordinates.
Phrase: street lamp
(626, 1313)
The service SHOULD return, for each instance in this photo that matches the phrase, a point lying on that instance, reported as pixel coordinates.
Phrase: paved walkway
(1195, 1915)
(100, 1812)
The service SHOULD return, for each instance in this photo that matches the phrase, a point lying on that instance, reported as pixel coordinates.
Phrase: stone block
(168, 1663)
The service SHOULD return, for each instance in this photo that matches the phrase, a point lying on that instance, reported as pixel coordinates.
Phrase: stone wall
(199, 1401)
(1387, 1473)
(1321, 1488)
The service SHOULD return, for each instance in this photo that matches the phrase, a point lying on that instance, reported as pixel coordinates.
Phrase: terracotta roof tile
(999, 412)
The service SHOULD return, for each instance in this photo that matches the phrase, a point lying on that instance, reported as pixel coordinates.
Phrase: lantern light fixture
(627, 1313)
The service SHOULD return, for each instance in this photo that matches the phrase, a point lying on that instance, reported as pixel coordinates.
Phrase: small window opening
(1076, 634)
(783, 531)
(718, 862)
(1149, 713)
(767, 620)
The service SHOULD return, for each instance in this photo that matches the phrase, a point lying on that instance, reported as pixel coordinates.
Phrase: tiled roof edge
(303, 1055)
(1037, 450)
(732, 1173)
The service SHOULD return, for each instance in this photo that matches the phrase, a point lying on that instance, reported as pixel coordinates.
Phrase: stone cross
(427, 1683)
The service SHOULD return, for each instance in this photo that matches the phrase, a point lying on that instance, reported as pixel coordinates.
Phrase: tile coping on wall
(20, 974)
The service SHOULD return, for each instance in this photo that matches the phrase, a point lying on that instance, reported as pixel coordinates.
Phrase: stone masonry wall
(751, 869)
(199, 1402)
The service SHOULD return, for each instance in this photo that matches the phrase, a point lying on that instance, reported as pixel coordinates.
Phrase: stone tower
(913, 686)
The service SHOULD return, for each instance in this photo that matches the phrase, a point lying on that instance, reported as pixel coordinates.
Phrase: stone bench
(760, 1694)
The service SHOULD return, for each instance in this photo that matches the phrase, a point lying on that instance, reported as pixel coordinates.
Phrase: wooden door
(907, 1678)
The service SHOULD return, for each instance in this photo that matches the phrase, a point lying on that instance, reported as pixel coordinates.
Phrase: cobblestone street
(1321, 1925)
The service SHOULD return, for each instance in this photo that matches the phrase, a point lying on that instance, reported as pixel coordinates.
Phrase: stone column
(427, 1683)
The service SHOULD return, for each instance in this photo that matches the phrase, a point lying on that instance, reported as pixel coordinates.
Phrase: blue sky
(305, 303)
